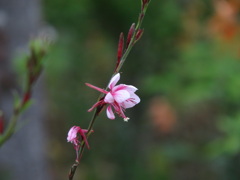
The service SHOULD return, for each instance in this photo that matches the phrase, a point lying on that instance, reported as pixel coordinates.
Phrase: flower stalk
(133, 31)
(34, 69)
(134, 34)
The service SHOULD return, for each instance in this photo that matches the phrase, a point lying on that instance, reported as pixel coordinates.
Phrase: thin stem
(10, 129)
(34, 69)
(97, 111)
(132, 42)
(80, 152)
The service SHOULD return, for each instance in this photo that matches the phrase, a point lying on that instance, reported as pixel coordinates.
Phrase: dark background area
(186, 67)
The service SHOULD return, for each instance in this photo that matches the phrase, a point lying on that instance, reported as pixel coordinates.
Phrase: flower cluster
(119, 98)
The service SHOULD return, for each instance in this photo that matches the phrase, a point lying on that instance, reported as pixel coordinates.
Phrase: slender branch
(10, 130)
(132, 42)
(119, 66)
(34, 69)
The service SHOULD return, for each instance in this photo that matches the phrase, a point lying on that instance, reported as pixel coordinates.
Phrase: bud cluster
(34, 66)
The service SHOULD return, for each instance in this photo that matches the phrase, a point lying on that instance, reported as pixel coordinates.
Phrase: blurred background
(186, 67)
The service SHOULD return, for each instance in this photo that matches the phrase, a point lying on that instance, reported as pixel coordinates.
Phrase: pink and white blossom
(73, 137)
(118, 97)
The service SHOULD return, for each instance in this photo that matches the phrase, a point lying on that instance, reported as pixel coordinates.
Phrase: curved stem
(10, 129)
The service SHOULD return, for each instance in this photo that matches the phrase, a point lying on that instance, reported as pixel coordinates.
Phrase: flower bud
(144, 2)
(120, 49)
(139, 34)
(130, 33)
(26, 97)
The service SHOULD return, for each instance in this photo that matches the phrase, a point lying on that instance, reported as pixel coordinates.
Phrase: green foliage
(196, 73)
(228, 144)
(200, 75)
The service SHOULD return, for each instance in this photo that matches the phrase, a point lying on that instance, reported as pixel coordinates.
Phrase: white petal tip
(126, 119)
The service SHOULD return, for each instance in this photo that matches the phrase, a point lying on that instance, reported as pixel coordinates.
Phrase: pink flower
(73, 137)
(119, 98)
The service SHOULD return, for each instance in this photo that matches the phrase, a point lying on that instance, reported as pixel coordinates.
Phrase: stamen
(97, 88)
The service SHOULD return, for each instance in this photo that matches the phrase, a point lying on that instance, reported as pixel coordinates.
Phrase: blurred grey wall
(23, 157)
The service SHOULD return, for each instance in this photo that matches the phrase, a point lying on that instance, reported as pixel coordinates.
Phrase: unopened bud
(139, 34)
(144, 2)
(32, 60)
(26, 97)
(130, 33)
(120, 49)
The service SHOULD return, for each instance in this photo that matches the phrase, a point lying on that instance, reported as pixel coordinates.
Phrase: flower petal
(128, 88)
(121, 96)
(114, 81)
(135, 98)
(110, 113)
(131, 88)
(84, 138)
(132, 101)
(72, 133)
(109, 98)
